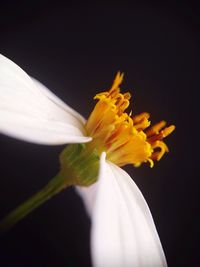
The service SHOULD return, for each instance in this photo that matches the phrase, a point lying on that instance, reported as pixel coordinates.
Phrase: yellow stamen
(125, 138)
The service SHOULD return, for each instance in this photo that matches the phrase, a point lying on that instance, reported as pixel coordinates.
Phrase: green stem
(79, 166)
(51, 189)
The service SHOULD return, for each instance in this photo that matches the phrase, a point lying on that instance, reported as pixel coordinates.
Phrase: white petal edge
(58, 101)
(123, 232)
(27, 113)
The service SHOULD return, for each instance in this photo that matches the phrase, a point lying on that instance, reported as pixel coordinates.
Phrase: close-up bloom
(122, 230)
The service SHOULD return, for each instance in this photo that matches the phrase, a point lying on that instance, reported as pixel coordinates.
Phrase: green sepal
(79, 164)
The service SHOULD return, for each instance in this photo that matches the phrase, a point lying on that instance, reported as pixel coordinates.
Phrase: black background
(75, 49)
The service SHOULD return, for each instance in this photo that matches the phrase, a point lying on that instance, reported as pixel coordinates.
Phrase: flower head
(125, 138)
(123, 232)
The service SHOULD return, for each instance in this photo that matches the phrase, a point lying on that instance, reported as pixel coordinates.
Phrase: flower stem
(52, 188)
(78, 166)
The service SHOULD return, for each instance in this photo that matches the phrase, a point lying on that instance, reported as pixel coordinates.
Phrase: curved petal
(58, 101)
(27, 113)
(88, 194)
(123, 231)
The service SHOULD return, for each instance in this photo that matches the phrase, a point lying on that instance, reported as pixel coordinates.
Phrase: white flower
(123, 233)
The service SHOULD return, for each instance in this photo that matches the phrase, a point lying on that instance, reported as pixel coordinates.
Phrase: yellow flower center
(125, 138)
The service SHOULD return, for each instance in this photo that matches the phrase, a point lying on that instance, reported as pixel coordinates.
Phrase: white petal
(27, 113)
(88, 194)
(58, 101)
(123, 231)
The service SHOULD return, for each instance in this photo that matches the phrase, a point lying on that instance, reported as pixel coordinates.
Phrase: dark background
(75, 50)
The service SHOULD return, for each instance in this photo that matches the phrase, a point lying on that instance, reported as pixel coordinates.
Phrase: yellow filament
(125, 138)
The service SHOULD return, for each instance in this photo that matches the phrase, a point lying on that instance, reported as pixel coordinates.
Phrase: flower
(123, 232)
